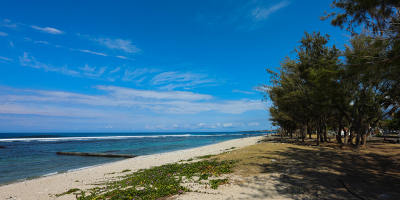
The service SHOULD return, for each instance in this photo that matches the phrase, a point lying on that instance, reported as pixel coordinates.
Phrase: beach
(47, 187)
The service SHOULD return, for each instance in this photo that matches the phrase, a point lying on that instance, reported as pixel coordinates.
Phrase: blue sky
(135, 66)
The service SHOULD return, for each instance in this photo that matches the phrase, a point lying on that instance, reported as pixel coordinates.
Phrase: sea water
(33, 155)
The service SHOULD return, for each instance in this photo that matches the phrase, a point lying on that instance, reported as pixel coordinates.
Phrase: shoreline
(40, 188)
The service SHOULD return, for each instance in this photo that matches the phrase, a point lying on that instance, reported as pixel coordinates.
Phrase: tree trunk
(304, 133)
(367, 131)
(358, 139)
(346, 134)
(321, 138)
(325, 134)
(351, 137)
(339, 135)
(318, 134)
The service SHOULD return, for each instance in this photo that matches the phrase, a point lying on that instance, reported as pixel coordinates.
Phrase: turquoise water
(32, 155)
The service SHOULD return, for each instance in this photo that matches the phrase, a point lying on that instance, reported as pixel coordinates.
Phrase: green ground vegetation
(159, 181)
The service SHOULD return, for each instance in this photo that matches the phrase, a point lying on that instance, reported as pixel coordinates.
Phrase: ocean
(33, 155)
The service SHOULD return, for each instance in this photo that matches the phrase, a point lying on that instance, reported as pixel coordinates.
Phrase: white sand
(57, 184)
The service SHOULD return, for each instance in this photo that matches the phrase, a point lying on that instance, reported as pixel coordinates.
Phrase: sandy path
(42, 187)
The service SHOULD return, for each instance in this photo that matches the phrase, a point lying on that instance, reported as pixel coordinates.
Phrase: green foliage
(68, 192)
(126, 170)
(206, 156)
(160, 181)
(357, 87)
(215, 183)
(376, 15)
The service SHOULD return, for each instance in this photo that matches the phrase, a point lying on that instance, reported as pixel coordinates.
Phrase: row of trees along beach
(354, 86)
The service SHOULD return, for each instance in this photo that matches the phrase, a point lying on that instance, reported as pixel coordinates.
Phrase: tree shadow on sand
(322, 173)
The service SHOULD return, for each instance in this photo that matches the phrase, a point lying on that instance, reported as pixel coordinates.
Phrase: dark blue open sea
(33, 155)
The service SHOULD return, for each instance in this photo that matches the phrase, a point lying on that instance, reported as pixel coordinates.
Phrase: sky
(146, 66)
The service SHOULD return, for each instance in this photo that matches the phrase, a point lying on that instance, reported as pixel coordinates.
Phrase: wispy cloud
(244, 92)
(4, 58)
(7, 23)
(243, 15)
(119, 44)
(232, 125)
(130, 74)
(90, 71)
(87, 68)
(48, 30)
(123, 57)
(179, 79)
(160, 127)
(87, 51)
(31, 62)
(11, 44)
(43, 42)
(115, 70)
(201, 126)
(262, 13)
(3, 34)
(126, 93)
(170, 102)
(253, 124)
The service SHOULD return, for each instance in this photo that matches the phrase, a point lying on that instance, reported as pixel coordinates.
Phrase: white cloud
(46, 110)
(7, 23)
(87, 68)
(260, 13)
(128, 93)
(241, 15)
(4, 58)
(253, 124)
(90, 71)
(96, 53)
(120, 44)
(239, 91)
(131, 74)
(11, 44)
(31, 62)
(232, 125)
(123, 57)
(177, 80)
(43, 42)
(3, 34)
(155, 127)
(48, 30)
(206, 126)
(115, 70)
(132, 100)
(107, 127)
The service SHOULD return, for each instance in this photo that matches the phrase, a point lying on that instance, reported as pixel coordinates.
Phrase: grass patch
(215, 183)
(204, 157)
(126, 170)
(68, 192)
(161, 181)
